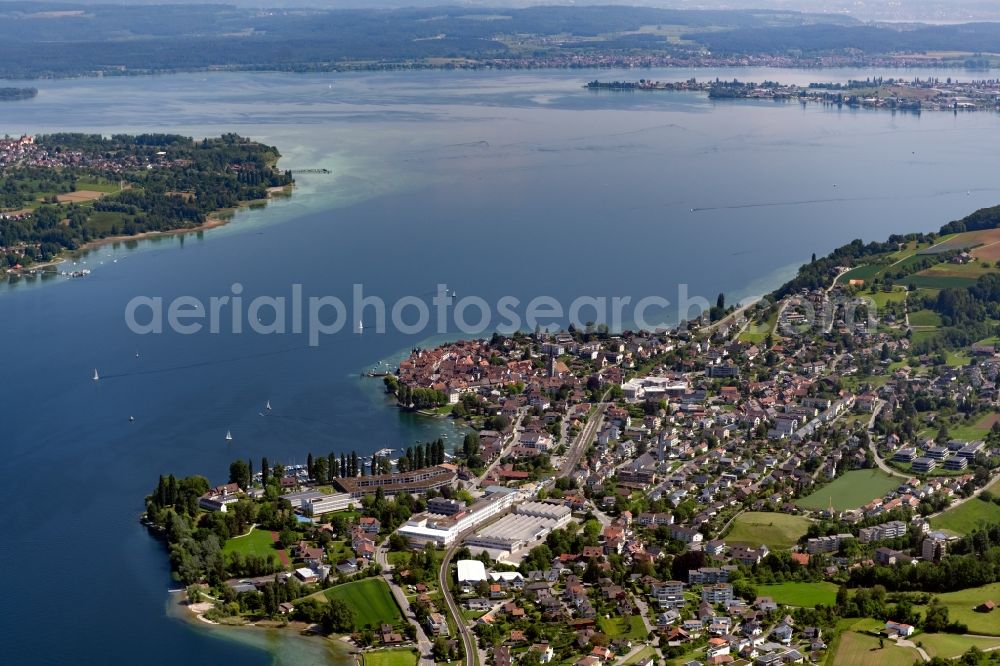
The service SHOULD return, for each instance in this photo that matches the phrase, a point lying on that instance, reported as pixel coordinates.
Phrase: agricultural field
(257, 542)
(961, 607)
(949, 646)
(973, 269)
(922, 281)
(776, 530)
(851, 490)
(622, 627)
(389, 658)
(805, 595)
(370, 599)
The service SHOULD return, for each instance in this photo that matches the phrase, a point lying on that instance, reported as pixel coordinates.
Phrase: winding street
(423, 643)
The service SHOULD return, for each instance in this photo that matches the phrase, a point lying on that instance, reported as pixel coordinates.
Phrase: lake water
(497, 184)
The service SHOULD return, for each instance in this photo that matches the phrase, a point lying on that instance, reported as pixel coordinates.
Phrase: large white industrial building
(443, 530)
(530, 523)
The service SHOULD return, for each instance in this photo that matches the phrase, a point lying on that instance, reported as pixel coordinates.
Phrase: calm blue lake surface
(497, 184)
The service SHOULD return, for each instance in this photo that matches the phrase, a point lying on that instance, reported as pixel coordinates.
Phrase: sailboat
(268, 406)
(96, 376)
(361, 327)
(229, 436)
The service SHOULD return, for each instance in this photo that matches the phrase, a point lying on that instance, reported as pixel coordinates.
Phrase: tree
(265, 472)
(239, 473)
(936, 617)
(338, 618)
(720, 301)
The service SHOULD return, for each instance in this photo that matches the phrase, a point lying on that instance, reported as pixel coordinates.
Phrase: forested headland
(61, 191)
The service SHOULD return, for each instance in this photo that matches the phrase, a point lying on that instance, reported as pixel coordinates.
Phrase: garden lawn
(390, 658)
(968, 516)
(776, 530)
(258, 542)
(804, 595)
(851, 490)
(948, 646)
(370, 599)
(622, 627)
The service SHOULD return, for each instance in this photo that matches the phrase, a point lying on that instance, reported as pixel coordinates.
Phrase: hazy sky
(883, 10)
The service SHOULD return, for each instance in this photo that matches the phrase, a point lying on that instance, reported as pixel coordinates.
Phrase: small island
(14, 94)
(61, 192)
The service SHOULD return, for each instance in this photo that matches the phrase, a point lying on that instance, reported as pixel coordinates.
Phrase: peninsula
(59, 192)
(14, 94)
(917, 95)
(812, 476)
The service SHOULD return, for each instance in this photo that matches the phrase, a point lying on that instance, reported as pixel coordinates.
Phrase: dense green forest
(164, 182)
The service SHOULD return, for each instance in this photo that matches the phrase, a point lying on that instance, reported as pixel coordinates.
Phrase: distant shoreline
(875, 62)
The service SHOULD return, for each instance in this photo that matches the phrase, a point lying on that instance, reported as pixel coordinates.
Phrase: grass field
(622, 627)
(863, 650)
(98, 185)
(258, 542)
(805, 595)
(851, 490)
(883, 298)
(389, 658)
(370, 599)
(949, 646)
(956, 359)
(925, 318)
(758, 331)
(776, 530)
(866, 273)
(966, 517)
(648, 651)
(961, 607)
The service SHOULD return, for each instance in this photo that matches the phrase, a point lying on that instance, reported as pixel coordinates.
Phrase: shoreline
(363, 67)
(263, 636)
(213, 220)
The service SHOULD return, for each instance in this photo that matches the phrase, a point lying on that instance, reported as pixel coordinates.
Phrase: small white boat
(268, 406)
(96, 376)
(229, 436)
(131, 418)
(361, 327)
